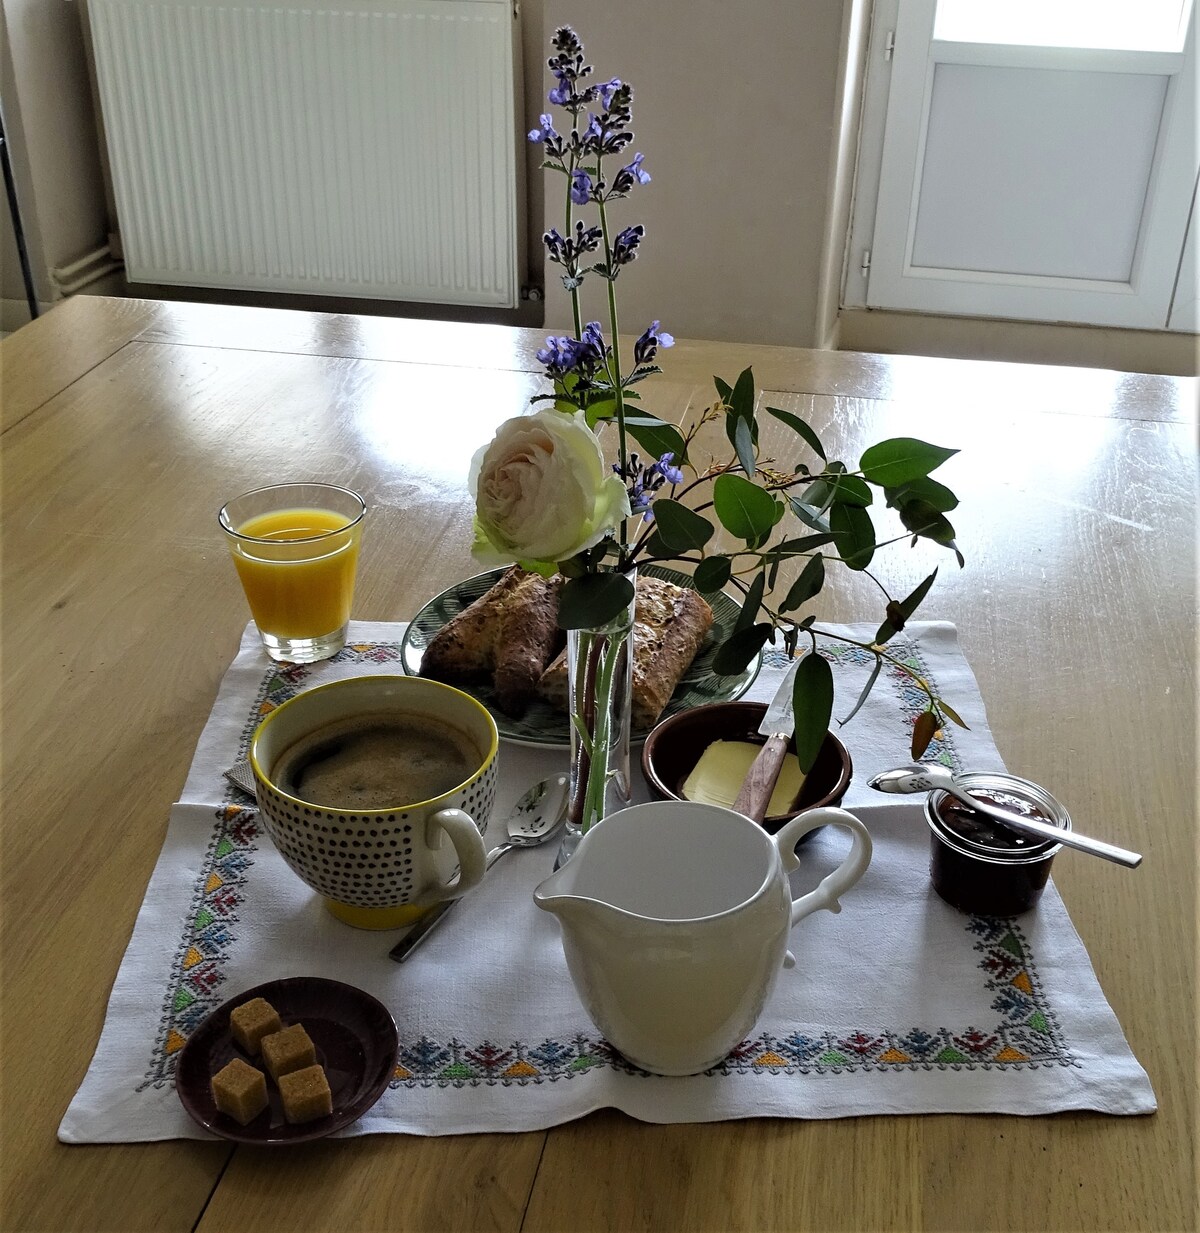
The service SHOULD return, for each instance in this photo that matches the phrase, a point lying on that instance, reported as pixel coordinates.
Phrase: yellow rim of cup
(489, 757)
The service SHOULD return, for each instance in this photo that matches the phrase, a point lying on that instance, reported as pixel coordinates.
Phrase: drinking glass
(295, 547)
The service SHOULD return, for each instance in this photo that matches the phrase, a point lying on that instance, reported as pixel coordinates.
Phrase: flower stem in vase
(600, 679)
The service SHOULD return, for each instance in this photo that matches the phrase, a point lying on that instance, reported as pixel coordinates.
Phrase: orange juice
(300, 580)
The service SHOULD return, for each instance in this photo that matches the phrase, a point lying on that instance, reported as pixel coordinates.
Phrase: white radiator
(369, 149)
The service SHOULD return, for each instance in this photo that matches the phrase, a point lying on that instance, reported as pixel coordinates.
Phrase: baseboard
(1021, 342)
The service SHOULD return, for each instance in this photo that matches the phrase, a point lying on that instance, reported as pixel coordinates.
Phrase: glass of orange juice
(296, 550)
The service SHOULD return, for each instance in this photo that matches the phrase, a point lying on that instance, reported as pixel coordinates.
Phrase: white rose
(543, 491)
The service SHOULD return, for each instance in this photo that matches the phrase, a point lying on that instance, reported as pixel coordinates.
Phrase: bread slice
(508, 634)
(670, 625)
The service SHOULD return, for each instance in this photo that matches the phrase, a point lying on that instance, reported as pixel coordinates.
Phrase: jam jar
(980, 866)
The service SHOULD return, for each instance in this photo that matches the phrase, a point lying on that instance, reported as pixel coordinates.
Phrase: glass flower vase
(600, 681)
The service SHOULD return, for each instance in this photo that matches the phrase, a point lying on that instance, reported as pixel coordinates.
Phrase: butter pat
(717, 777)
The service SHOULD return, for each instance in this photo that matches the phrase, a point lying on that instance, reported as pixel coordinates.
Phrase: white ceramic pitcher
(675, 919)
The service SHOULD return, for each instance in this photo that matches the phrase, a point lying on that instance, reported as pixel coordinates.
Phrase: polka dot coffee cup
(380, 868)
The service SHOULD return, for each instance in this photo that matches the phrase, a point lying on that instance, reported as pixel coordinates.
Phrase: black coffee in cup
(376, 761)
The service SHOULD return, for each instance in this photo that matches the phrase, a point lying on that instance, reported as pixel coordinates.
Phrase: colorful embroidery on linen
(1026, 1034)
(195, 988)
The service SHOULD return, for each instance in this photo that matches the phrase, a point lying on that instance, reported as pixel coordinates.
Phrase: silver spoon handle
(422, 929)
(1044, 830)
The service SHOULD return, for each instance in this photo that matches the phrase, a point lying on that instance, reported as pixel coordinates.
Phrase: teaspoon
(929, 777)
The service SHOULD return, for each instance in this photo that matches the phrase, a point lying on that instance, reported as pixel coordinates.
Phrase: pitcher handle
(833, 886)
(468, 844)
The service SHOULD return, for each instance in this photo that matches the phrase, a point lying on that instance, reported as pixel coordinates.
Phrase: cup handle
(468, 844)
(834, 885)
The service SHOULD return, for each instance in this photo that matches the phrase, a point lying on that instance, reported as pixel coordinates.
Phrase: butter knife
(777, 726)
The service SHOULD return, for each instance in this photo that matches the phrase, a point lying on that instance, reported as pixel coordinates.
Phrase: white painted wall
(52, 137)
(734, 109)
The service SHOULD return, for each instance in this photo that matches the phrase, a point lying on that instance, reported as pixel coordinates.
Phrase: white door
(1039, 160)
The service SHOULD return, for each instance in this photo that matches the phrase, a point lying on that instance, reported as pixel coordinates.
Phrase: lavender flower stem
(615, 373)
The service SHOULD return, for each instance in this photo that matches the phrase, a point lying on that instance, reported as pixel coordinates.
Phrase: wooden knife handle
(755, 794)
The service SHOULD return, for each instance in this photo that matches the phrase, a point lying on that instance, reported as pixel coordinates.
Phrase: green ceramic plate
(545, 726)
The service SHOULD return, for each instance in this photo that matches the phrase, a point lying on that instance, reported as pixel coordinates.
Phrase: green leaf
(812, 704)
(724, 390)
(866, 690)
(739, 649)
(936, 495)
(740, 403)
(712, 574)
(899, 613)
(799, 426)
(751, 604)
(743, 443)
(806, 543)
(901, 460)
(679, 528)
(855, 535)
(600, 408)
(658, 548)
(923, 520)
(923, 732)
(657, 436)
(811, 580)
(745, 510)
(850, 490)
(808, 515)
(951, 714)
(593, 599)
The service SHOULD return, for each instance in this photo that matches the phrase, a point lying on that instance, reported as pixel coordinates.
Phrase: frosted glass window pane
(1123, 25)
(1036, 171)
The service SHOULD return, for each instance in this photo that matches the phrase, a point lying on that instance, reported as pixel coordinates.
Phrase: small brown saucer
(674, 747)
(355, 1039)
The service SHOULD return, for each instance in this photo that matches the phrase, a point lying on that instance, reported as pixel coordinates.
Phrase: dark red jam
(978, 828)
(980, 866)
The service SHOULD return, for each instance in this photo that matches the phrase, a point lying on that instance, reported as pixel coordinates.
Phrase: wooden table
(126, 423)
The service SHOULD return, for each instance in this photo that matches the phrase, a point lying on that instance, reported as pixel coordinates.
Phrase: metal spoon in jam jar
(929, 777)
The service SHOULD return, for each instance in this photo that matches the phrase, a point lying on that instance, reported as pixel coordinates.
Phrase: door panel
(1041, 183)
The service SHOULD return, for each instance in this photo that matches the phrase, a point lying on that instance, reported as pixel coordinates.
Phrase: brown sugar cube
(288, 1050)
(253, 1020)
(240, 1090)
(305, 1094)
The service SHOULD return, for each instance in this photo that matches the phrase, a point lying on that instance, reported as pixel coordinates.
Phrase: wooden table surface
(125, 424)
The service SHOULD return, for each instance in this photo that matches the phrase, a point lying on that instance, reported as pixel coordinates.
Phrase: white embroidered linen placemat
(900, 1004)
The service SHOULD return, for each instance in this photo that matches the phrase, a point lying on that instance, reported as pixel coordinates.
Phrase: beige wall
(734, 109)
(52, 133)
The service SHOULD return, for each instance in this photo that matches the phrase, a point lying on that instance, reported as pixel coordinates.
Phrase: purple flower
(591, 346)
(607, 89)
(561, 94)
(560, 355)
(630, 175)
(625, 246)
(646, 347)
(581, 186)
(584, 355)
(673, 475)
(635, 170)
(566, 252)
(546, 132)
